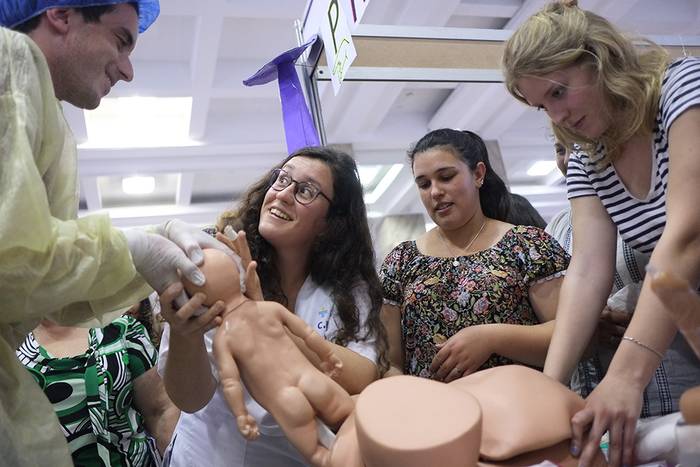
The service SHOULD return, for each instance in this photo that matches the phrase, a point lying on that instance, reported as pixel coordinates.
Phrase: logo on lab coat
(322, 321)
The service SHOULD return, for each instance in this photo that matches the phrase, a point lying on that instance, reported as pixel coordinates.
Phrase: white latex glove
(191, 239)
(158, 260)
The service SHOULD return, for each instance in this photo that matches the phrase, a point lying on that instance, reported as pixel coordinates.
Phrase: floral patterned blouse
(437, 299)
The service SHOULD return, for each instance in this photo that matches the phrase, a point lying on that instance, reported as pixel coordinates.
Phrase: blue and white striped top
(640, 222)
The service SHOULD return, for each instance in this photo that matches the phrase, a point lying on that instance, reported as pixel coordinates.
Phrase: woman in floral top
(474, 292)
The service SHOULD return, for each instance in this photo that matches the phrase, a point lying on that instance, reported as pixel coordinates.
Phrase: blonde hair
(562, 35)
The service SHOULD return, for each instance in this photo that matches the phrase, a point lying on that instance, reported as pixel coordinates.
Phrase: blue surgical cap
(16, 12)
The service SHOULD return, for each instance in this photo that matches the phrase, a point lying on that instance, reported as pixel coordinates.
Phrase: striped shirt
(640, 222)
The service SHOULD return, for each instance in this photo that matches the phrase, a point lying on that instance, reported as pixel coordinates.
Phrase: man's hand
(158, 260)
(190, 238)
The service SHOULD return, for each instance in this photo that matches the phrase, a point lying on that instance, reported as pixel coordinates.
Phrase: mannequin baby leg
(299, 425)
(330, 401)
(231, 386)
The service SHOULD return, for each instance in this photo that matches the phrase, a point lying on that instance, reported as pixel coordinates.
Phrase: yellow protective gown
(51, 264)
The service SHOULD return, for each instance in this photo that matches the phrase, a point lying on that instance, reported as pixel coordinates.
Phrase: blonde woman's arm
(615, 404)
(585, 288)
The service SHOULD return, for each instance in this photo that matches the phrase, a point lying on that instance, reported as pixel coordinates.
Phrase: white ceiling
(204, 49)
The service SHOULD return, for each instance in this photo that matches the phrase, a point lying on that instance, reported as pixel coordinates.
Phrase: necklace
(465, 249)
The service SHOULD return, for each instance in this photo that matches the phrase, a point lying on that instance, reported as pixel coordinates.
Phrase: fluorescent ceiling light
(384, 183)
(367, 174)
(138, 185)
(139, 122)
(541, 168)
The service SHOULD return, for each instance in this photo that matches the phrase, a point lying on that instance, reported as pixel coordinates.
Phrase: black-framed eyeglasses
(304, 192)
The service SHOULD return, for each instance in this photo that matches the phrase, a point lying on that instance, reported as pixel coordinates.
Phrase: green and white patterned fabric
(92, 393)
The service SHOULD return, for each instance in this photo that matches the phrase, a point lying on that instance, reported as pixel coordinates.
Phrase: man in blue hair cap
(86, 43)
(51, 263)
(17, 14)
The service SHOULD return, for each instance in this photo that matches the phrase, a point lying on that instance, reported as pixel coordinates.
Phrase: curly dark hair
(343, 256)
(468, 146)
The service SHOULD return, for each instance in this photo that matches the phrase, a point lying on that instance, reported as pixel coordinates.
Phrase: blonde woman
(634, 113)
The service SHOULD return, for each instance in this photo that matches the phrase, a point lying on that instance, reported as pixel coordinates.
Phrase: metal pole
(311, 87)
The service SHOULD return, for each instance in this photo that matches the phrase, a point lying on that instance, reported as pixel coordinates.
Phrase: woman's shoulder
(527, 234)
(682, 65)
(679, 74)
(679, 90)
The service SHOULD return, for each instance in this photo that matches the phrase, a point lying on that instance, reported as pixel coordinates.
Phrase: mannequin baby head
(223, 275)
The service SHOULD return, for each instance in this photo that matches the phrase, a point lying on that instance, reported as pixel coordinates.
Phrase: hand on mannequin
(238, 243)
(614, 406)
(184, 321)
(462, 354)
(191, 239)
(158, 260)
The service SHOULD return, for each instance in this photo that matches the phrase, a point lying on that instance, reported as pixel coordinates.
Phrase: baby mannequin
(406, 421)
(252, 344)
(512, 415)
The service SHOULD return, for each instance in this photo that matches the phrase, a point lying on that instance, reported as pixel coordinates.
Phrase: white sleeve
(163, 349)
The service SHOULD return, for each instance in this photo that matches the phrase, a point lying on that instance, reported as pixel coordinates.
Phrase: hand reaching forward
(614, 406)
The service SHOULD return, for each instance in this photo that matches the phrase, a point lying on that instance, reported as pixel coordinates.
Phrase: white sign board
(355, 10)
(317, 12)
(337, 42)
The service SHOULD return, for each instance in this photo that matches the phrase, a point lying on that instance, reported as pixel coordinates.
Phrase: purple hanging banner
(299, 127)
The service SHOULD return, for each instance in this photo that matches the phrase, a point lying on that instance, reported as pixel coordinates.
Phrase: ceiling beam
(203, 63)
(183, 193)
(96, 162)
(366, 111)
(507, 113)
(527, 9)
(463, 105)
(488, 8)
(258, 9)
(197, 214)
(90, 190)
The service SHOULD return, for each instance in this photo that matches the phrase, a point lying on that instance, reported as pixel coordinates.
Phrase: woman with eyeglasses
(306, 226)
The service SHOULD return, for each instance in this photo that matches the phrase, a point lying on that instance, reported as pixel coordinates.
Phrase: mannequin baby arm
(231, 385)
(330, 363)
